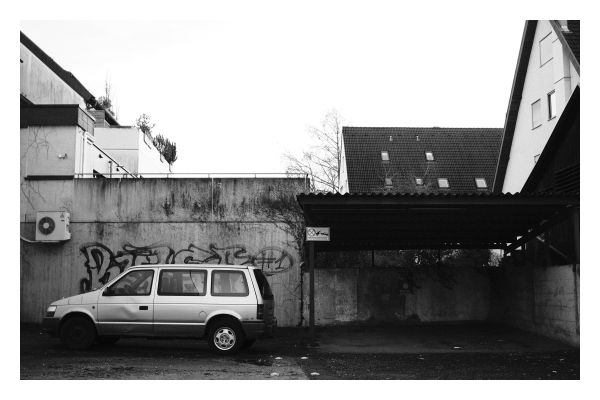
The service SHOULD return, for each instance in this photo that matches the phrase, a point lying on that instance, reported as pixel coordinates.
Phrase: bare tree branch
(321, 161)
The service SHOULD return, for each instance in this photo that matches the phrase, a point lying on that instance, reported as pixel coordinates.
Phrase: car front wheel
(78, 333)
(225, 337)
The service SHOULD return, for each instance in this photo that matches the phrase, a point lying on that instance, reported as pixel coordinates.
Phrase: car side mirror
(106, 292)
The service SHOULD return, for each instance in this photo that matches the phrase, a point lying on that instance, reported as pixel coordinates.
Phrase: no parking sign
(315, 234)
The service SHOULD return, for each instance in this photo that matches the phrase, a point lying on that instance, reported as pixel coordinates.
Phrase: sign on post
(314, 234)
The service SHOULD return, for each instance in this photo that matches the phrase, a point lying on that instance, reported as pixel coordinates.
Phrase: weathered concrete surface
(433, 338)
(41, 85)
(379, 295)
(118, 223)
(544, 300)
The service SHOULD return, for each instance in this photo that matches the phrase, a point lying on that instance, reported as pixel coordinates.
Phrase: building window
(388, 182)
(481, 183)
(385, 157)
(429, 156)
(545, 50)
(443, 183)
(419, 181)
(551, 105)
(536, 114)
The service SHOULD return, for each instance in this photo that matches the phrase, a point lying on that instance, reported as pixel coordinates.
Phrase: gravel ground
(290, 355)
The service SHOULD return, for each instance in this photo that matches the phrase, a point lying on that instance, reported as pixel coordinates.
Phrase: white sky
(234, 95)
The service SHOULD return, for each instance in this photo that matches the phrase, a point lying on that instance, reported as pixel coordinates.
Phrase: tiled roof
(461, 155)
(572, 37)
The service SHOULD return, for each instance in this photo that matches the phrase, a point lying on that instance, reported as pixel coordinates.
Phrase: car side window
(135, 283)
(229, 283)
(182, 283)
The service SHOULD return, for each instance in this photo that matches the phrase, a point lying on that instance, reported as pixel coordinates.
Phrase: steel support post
(311, 304)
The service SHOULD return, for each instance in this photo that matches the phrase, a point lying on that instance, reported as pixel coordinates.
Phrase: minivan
(231, 306)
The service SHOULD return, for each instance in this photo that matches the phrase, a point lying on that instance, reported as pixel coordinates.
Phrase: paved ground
(350, 352)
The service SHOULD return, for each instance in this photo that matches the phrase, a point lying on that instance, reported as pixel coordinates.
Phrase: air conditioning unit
(52, 226)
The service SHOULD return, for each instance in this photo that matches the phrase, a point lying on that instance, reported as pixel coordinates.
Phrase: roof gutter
(514, 104)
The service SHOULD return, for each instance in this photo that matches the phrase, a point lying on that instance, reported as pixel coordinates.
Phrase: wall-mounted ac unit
(52, 226)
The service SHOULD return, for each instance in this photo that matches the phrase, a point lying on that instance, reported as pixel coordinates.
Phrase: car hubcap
(224, 338)
(78, 335)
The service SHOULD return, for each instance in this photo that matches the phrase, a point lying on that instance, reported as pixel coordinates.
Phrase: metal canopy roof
(403, 221)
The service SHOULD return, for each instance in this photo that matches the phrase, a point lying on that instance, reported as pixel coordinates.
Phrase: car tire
(78, 333)
(106, 340)
(248, 343)
(225, 337)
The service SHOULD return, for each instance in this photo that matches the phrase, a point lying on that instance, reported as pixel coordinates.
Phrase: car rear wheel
(78, 333)
(225, 337)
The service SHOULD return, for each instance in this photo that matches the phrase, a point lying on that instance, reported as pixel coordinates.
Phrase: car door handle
(143, 307)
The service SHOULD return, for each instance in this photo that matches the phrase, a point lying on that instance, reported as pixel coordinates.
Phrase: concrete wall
(393, 295)
(149, 158)
(544, 300)
(41, 85)
(131, 148)
(116, 223)
(556, 74)
(41, 146)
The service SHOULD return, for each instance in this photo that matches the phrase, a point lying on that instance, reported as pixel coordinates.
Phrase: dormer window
(419, 181)
(481, 183)
(385, 157)
(429, 156)
(443, 183)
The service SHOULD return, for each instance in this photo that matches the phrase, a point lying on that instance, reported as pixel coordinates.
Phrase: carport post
(576, 233)
(311, 304)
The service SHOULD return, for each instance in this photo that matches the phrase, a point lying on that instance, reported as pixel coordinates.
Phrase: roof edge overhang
(563, 40)
(514, 103)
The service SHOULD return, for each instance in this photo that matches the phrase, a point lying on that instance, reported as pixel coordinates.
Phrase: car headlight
(50, 311)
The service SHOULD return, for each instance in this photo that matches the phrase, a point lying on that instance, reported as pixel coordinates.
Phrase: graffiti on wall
(106, 264)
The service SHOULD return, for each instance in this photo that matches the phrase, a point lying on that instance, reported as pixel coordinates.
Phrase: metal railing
(209, 175)
(198, 175)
